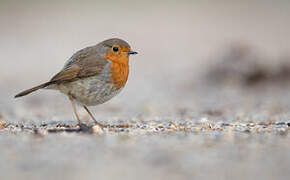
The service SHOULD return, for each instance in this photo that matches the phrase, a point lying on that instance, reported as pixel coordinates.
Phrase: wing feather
(84, 63)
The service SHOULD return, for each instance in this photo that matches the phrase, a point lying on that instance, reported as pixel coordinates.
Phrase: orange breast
(119, 74)
(119, 67)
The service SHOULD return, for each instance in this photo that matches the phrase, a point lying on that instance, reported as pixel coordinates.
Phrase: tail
(28, 91)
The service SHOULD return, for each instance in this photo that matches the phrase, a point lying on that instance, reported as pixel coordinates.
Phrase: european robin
(92, 76)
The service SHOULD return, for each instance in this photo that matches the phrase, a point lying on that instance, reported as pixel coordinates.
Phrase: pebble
(97, 130)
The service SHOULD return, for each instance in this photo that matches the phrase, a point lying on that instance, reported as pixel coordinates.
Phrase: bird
(92, 76)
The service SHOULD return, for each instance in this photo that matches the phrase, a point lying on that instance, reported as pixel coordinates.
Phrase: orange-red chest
(119, 74)
(119, 67)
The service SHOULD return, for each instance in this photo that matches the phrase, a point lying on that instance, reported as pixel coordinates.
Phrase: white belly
(90, 91)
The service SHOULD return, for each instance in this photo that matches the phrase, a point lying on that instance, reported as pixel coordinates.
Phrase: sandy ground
(187, 112)
(244, 138)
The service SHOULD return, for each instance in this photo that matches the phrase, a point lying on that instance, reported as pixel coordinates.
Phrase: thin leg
(74, 108)
(96, 122)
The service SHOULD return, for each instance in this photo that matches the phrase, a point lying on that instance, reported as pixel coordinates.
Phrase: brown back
(84, 63)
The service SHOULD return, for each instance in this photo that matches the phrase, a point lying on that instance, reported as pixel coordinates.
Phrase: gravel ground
(230, 140)
(207, 96)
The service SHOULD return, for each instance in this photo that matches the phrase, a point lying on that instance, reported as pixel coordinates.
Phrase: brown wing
(83, 63)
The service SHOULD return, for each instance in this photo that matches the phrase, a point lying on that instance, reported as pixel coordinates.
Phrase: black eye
(115, 49)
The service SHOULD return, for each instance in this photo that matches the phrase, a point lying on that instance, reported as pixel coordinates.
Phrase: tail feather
(28, 91)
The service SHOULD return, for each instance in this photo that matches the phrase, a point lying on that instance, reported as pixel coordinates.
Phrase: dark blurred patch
(214, 112)
(241, 65)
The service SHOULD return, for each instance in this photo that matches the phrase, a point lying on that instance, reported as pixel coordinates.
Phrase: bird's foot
(85, 128)
(96, 129)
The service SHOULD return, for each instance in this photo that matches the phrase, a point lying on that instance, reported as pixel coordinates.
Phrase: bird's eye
(115, 49)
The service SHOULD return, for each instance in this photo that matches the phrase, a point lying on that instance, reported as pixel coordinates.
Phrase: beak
(132, 52)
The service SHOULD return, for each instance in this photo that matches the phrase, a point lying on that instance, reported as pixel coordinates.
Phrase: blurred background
(225, 60)
(179, 44)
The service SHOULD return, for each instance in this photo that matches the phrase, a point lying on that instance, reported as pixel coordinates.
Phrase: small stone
(280, 123)
(172, 126)
(3, 124)
(204, 120)
(97, 130)
(251, 124)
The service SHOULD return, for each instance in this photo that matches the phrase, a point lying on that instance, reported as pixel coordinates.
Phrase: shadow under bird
(92, 76)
